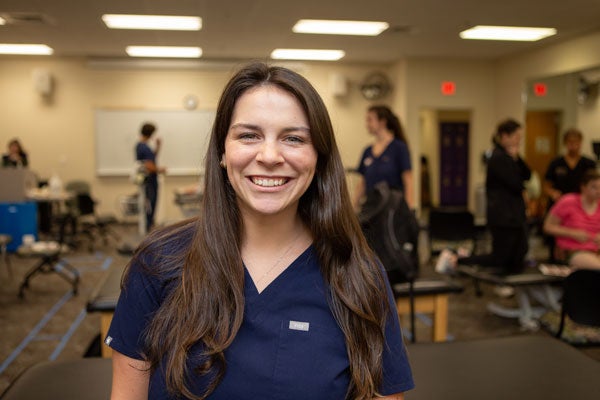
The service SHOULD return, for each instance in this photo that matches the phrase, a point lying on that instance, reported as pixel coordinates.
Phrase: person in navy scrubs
(272, 292)
(147, 156)
(387, 159)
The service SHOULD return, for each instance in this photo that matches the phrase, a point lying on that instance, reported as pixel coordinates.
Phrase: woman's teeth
(268, 182)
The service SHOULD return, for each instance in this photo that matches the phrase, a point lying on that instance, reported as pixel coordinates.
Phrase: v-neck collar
(256, 301)
(250, 287)
(377, 157)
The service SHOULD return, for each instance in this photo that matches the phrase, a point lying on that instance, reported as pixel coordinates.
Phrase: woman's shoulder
(397, 143)
(165, 244)
(569, 199)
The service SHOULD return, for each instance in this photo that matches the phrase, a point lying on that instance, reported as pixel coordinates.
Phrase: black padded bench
(104, 300)
(525, 367)
(528, 284)
(81, 379)
(532, 367)
(430, 296)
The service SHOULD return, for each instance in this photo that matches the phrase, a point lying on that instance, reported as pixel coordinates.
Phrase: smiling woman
(272, 292)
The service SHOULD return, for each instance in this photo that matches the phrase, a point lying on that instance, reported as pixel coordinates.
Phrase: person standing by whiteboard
(147, 156)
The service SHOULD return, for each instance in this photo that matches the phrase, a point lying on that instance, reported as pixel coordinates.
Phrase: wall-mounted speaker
(43, 82)
(338, 84)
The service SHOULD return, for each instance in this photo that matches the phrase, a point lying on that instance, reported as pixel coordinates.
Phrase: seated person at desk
(575, 222)
(16, 156)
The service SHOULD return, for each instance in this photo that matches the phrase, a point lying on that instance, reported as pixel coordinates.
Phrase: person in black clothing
(506, 218)
(565, 172)
(16, 156)
(564, 175)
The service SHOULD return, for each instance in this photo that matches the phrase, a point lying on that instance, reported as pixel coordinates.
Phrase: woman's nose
(270, 153)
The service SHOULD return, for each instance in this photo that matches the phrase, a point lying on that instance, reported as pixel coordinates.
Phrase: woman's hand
(581, 235)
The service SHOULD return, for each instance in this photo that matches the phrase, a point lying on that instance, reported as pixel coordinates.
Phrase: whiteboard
(185, 136)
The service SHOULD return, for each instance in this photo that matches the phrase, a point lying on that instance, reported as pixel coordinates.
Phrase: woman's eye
(247, 136)
(294, 139)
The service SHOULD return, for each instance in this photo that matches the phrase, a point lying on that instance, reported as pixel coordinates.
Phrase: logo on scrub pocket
(299, 326)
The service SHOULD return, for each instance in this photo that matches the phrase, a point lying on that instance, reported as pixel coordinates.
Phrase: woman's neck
(572, 159)
(266, 232)
(384, 136)
(382, 140)
(589, 204)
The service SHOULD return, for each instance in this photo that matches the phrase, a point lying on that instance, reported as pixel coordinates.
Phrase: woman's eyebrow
(296, 128)
(258, 128)
(244, 125)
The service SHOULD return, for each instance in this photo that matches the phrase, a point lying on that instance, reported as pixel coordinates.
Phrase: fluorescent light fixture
(164, 51)
(158, 22)
(307, 54)
(488, 32)
(337, 27)
(26, 49)
(2, 21)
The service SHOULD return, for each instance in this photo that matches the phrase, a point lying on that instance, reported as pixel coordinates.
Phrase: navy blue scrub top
(388, 167)
(288, 347)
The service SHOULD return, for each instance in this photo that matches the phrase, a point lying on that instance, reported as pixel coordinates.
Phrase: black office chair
(581, 298)
(451, 227)
(93, 223)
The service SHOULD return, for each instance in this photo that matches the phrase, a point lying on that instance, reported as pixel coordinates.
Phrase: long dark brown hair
(207, 302)
(392, 122)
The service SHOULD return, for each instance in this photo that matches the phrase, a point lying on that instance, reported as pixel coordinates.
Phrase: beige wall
(565, 57)
(474, 93)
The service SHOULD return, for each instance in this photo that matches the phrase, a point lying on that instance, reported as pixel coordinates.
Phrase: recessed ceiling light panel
(517, 33)
(164, 51)
(158, 22)
(26, 49)
(307, 54)
(338, 27)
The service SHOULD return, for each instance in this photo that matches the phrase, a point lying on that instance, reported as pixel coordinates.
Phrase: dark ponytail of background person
(392, 120)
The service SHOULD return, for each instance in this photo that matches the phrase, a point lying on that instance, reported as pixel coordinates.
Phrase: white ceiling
(243, 29)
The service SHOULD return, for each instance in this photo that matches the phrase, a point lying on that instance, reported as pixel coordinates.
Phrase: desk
(519, 367)
(49, 202)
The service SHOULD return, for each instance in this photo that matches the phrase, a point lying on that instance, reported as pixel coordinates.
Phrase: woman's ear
(222, 163)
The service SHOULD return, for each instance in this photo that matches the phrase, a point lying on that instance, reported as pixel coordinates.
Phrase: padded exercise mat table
(80, 379)
(532, 367)
(104, 300)
(529, 285)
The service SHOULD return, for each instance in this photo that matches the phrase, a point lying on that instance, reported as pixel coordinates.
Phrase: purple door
(454, 163)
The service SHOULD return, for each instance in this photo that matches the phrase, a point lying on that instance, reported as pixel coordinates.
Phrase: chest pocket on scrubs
(311, 361)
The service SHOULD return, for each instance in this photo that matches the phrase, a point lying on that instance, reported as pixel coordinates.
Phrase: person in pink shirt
(575, 222)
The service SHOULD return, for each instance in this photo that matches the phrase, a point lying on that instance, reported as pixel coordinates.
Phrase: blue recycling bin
(18, 219)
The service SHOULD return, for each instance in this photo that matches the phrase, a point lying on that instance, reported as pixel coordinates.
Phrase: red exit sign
(448, 88)
(540, 89)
